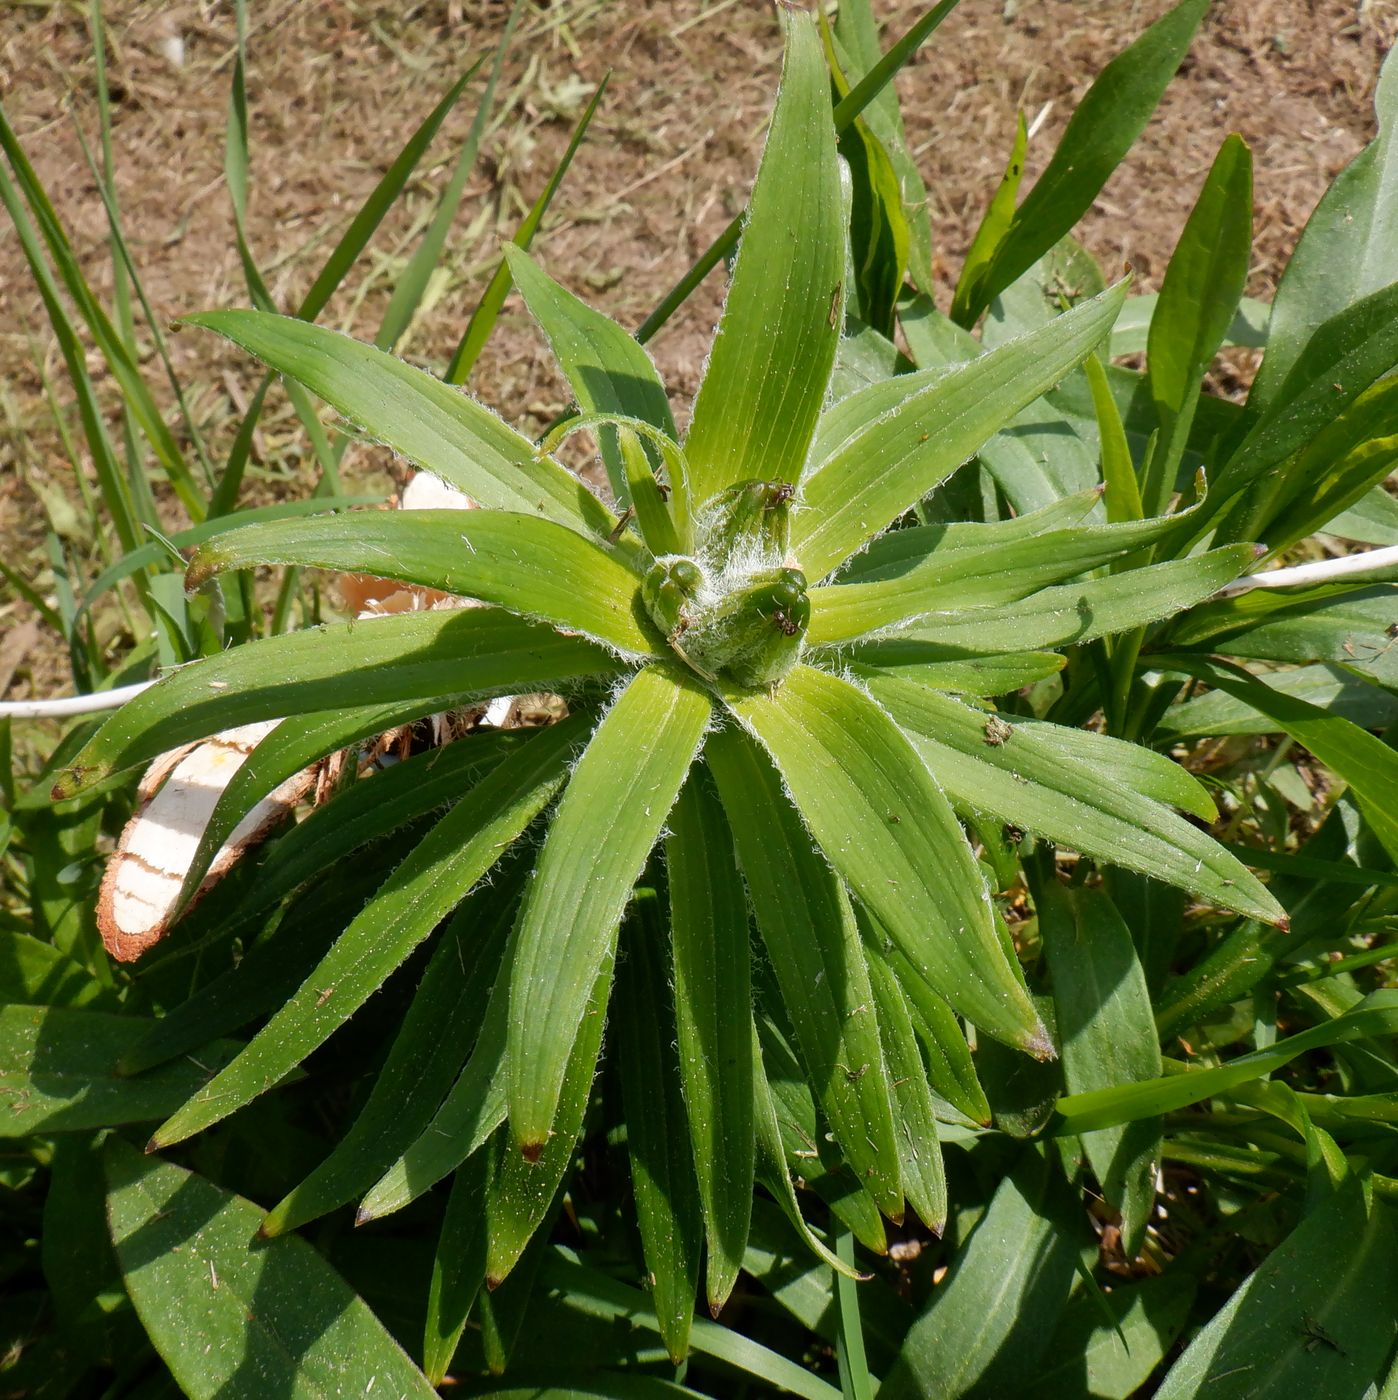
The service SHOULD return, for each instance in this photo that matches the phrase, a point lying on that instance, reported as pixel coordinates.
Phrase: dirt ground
(336, 86)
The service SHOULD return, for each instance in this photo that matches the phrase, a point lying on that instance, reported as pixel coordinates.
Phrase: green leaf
(1349, 248)
(1315, 1319)
(947, 668)
(632, 771)
(1072, 613)
(607, 370)
(233, 1316)
(1030, 780)
(35, 973)
(442, 657)
(1375, 1016)
(713, 1014)
(657, 1131)
(1102, 129)
(767, 374)
(458, 1267)
(885, 826)
(995, 223)
(1366, 763)
(537, 568)
(883, 464)
(422, 1063)
(1115, 1359)
(813, 945)
(430, 423)
(989, 1322)
(1202, 287)
(427, 886)
(58, 1071)
(1132, 330)
(1106, 1036)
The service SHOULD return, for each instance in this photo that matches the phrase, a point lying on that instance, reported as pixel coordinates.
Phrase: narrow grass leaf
(58, 1071)
(668, 1212)
(432, 424)
(765, 382)
(632, 771)
(440, 656)
(884, 824)
(1106, 1036)
(967, 301)
(530, 566)
(458, 1267)
(813, 945)
(428, 885)
(888, 462)
(232, 1316)
(713, 1015)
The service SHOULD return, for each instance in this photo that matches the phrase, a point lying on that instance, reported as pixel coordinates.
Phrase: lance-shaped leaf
(607, 369)
(422, 1063)
(950, 668)
(1069, 613)
(426, 887)
(1038, 787)
(885, 464)
(458, 1267)
(813, 945)
(528, 565)
(616, 805)
(235, 1316)
(992, 574)
(1101, 131)
(886, 827)
(770, 365)
(1202, 287)
(1106, 1035)
(432, 424)
(58, 1071)
(1349, 247)
(657, 1133)
(440, 656)
(713, 1018)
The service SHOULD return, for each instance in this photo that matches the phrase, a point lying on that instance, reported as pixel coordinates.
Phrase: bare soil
(336, 87)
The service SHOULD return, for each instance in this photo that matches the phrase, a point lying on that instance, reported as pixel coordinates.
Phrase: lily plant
(780, 680)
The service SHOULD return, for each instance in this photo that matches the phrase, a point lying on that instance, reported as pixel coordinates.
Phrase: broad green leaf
(58, 1071)
(989, 1322)
(422, 1063)
(924, 1179)
(430, 423)
(443, 657)
(1349, 248)
(35, 973)
(657, 1131)
(1106, 1036)
(971, 576)
(632, 771)
(1115, 1358)
(1315, 1319)
(1039, 787)
(1328, 687)
(1373, 519)
(883, 466)
(948, 668)
(519, 1197)
(607, 370)
(1366, 763)
(995, 223)
(767, 373)
(1203, 284)
(1102, 129)
(1375, 1016)
(1072, 613)
(713, 1015)
(1132, 330)
(433, 879)
(233, 1316)
(885, 826)
(813, 945)
(534, 567)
